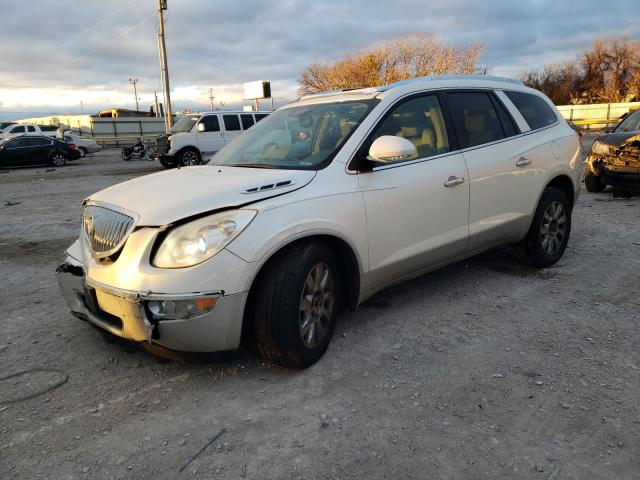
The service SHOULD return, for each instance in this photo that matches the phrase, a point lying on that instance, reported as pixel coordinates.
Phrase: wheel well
(349, 273)
(564, 183)
(189, 147)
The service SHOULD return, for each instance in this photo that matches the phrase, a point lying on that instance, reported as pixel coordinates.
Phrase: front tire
(297, 305)
(549, 233)
(83, 152)
(594, 183)
(189, 157)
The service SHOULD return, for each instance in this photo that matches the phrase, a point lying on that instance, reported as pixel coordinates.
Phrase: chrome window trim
(435, 91)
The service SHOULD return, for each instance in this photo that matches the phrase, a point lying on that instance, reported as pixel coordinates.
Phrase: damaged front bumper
(215, 326)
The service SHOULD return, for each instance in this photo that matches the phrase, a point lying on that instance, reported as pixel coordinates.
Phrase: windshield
(184, 124)
(298, 138)
(630, 124)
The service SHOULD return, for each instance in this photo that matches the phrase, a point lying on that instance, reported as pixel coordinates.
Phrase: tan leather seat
(476, 129)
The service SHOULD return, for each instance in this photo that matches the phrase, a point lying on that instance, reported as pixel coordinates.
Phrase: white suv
(319, 206)
(194, 139)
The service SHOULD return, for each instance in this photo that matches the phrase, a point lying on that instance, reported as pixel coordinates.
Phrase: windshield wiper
(252, 165)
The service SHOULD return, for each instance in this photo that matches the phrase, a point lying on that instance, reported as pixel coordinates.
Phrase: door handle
(453, 181)
(523, 162)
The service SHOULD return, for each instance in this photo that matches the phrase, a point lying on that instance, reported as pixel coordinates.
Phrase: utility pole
(164, 68)
(155, 95)
(81, 108)
(211, 99)
(133, 82)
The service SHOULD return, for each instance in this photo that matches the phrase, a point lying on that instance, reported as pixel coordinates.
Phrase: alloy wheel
(316, 305)
(553, 228)
(190, 158)
(58, 159)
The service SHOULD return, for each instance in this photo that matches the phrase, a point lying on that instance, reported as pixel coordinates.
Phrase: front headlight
(600, 148)
(197, 241)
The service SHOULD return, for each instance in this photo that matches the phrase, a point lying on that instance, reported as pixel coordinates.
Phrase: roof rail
(409, 81)
(489, 78)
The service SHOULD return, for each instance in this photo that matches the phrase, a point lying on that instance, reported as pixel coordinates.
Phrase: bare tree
(606, 73)
(411, 56)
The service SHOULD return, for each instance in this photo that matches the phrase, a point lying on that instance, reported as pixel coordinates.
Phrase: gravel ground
(485, 369)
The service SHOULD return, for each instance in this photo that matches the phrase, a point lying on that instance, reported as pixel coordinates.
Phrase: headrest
(474, 122)
(408, 131)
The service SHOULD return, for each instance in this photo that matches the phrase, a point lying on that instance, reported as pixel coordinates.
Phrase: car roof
(431, 82)
(226, 111)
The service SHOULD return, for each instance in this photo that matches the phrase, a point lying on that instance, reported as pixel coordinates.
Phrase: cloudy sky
(56, 53)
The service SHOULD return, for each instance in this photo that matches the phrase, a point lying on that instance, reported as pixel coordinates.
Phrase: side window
(475, 119)
(231, 123)
(31, 142)
(39, 142)
(247, 121)
(16, 143)
(31, 128)
(420, 121)
(211, 123)
(260, 116)
(18, 129)
(533, 108)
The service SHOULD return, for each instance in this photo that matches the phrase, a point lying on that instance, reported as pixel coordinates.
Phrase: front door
(15, 152)
(417, 210)
(211, 139)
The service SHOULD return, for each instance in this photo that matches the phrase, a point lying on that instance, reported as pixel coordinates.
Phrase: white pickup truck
(22, 129)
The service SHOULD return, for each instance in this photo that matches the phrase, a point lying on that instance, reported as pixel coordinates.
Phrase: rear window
(533, 108)
(475, 118)
(260, 116)
(247, 121)
(48, 128)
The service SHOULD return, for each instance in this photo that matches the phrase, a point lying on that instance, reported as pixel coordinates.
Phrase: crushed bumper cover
(124, 314)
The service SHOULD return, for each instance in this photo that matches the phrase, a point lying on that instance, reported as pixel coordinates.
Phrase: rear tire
(190, 156)
(594, 183)
(297, 303)
(550, 229)
(57, 159)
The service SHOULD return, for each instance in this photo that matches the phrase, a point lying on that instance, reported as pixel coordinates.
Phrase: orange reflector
(205, 304)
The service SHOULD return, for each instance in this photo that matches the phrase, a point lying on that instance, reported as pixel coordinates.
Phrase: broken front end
(617, 165)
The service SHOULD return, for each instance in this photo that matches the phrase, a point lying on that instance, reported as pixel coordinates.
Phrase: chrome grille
(105, 230)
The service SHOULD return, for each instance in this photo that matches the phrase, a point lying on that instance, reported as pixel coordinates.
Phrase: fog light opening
(180, 309)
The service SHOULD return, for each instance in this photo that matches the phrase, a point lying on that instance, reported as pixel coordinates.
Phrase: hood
(165, 197)
(617, 138)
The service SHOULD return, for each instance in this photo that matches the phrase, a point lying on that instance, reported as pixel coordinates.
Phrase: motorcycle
(141, 149)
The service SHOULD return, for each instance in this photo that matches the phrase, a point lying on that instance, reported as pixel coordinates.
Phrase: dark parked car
(34, 150)
(615, 158)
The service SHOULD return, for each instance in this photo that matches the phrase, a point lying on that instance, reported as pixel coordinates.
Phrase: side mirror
(202, 127)
(389, 148)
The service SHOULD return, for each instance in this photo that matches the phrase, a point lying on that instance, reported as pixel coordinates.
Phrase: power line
(74, 37)
(116, 37)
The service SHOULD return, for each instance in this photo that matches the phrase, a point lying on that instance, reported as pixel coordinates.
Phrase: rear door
(231, 126)
(39, 149)
(212, 139)
(502, 167)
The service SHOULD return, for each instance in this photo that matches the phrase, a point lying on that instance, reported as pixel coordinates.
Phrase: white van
(194, 139)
